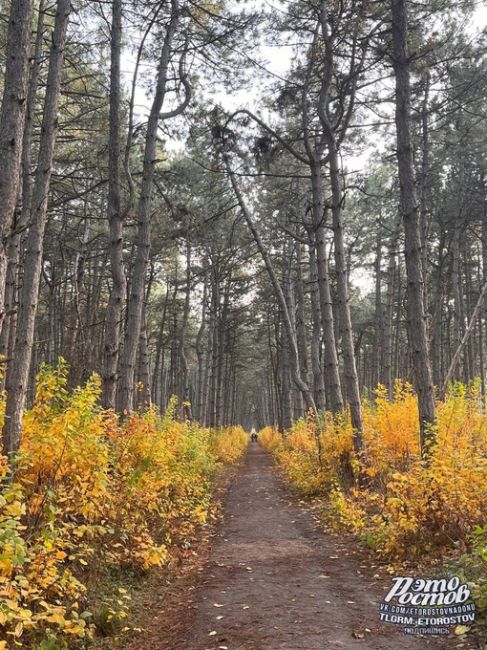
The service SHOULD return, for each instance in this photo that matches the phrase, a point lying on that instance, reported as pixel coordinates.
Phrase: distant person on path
(253, 435)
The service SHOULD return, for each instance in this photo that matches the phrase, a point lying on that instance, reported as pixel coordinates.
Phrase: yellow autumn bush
(399, 506)
(270, 438)
(90, 496)
(314, 454)
(228, 444)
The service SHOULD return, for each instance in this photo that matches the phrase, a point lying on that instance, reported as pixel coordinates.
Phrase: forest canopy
(213, 200)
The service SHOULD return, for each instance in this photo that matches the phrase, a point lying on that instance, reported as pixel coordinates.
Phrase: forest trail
(272, 581)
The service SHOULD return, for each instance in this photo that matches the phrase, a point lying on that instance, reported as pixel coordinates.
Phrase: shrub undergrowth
(90, 496)
(400, 507)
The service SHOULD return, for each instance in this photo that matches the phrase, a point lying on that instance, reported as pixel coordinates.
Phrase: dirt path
(273, 582)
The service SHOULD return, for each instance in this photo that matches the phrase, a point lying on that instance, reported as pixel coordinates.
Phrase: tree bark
(144, 392)
(184, 375)
(200, 353)
(9, 324)
(18, 371)
(12, 123)
(388, 356)
(113, 319)
(318, 378)
(343, 300)
(379, 325)
(332, 143)
(416, 317)
(331, 367)
(300, 315)
(137, 285)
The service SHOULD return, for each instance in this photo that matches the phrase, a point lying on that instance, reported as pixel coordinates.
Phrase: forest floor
(269, 579)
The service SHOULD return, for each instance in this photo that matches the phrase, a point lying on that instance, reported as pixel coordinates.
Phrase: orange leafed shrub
(391, 431)
(228, 444)
(270, 438)
(404, 508)
(90, 495)
(313, 454)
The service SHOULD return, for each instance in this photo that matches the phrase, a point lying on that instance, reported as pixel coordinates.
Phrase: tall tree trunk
(469, 363)
(388, 356)
(15, 239)
(300, 315)
(285, 380)
(137, 284)
(213, 352)
(379, 329)
(342, 292)
(78, 345)
(18, 371)
(159, 360)
(318, 378)
(222, 332)
(343, 300)
(212, 321)
(184, 375)
(416, 317)
(484, 256)
(331, 367)
(113, 319)
(288, 290)
(143, 374)
(200, 353)
(425, 195)
(12, 123)
(456, 290)
(437, 319)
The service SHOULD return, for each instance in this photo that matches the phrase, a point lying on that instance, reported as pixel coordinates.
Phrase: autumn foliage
(403, 508)
(89, 496)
